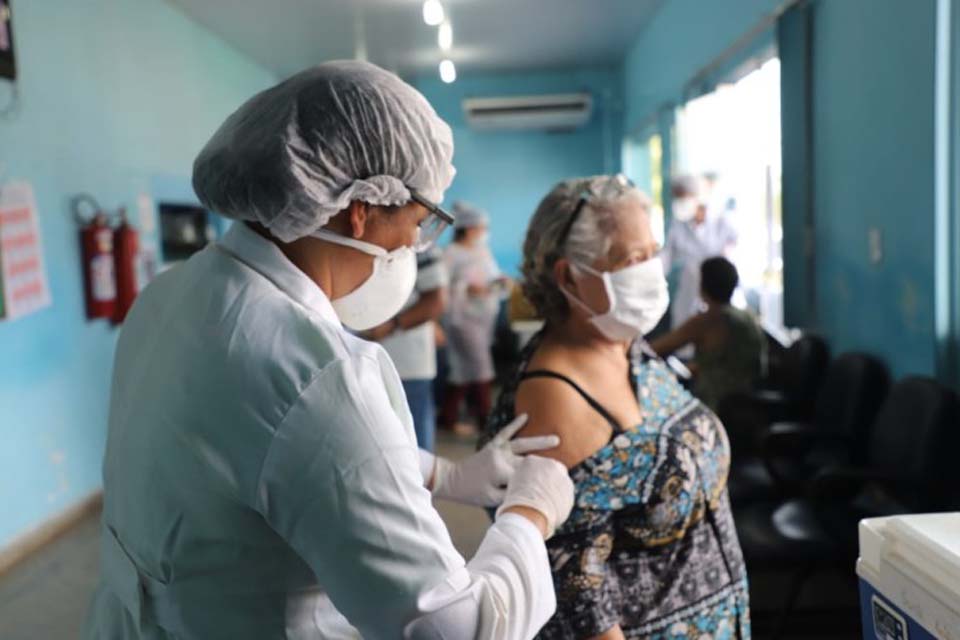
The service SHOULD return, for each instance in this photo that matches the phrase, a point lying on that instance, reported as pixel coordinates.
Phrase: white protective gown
(262, 478)
(470, 322)
(687, 246)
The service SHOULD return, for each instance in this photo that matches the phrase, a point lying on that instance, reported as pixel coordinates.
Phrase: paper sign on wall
(23, 275)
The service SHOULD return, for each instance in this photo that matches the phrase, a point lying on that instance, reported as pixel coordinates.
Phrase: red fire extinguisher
(126, 249)
(100, 292)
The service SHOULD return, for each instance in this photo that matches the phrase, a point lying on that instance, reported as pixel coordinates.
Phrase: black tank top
(599, 408)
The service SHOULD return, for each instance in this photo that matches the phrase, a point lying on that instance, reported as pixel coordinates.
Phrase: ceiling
(286, 36)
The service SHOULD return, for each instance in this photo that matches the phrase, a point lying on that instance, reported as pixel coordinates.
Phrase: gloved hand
(544, 485)
(482, 478)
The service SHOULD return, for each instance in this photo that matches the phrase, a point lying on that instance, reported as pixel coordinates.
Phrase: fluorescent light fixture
(432, 12)
(445, 36)
(448, 72)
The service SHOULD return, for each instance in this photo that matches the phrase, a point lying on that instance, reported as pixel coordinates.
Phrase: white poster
(23, 275)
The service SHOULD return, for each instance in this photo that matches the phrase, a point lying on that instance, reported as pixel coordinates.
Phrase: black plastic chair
(910, 466)
(853, 389)
(790, 395)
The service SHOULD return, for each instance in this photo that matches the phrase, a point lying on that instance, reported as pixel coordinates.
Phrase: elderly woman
(650, 549)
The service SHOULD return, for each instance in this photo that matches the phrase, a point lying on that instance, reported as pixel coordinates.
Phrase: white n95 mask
(638, 298)
(684, 209)
(382, 295)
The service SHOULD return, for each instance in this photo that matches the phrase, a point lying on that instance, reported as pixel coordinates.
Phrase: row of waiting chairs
(832, 443)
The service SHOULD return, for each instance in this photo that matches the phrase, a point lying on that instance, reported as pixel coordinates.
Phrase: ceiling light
(445, 36)
(432, 12)
(448, 72)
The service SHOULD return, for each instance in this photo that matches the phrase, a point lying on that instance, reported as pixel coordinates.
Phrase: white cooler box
(909, 570)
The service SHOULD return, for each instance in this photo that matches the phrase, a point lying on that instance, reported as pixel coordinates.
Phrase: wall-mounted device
(8, 67)
(184, 230)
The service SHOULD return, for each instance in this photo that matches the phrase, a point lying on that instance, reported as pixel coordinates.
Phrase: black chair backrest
(802, 368)
(916, 440)
(854, 387)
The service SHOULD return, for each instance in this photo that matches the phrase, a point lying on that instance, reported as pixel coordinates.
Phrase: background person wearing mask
(262, 478)
(729, 342)
(650, 550)
(410, 339)
(476, 289)
(693, 237)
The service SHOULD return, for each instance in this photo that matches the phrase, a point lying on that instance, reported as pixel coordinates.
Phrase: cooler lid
(924, 547)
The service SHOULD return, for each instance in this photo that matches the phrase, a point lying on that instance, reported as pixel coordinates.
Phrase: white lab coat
(687, 246)
(470, 321)
(262, 478)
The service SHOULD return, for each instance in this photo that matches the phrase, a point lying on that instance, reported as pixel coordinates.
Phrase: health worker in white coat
(262, 478)
(695, 234)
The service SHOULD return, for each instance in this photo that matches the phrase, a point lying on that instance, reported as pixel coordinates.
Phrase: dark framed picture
(8, 67)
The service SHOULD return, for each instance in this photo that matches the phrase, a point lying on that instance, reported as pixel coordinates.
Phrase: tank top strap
(596, 406)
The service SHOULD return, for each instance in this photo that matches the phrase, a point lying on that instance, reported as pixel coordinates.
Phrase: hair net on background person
(296, 154)
(467, 215)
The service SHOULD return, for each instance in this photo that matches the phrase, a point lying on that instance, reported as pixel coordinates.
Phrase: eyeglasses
(612, 186)
(431, 227)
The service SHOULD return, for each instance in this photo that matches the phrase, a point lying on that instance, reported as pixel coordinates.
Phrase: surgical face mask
(638, 298)
(383, 294)
(684, 209)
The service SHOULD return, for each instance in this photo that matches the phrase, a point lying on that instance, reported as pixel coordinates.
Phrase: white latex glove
(544, 485)
(482, 478)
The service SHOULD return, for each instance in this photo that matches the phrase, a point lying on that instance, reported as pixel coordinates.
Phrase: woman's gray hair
(590, 237)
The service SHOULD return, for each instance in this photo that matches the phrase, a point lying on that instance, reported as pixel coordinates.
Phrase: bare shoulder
(555, 408)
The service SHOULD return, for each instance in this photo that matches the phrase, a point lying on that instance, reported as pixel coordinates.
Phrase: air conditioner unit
(557, 112)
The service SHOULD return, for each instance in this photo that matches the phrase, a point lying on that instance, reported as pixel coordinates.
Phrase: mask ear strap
(580, 303)
(607, 288)
(359, 245)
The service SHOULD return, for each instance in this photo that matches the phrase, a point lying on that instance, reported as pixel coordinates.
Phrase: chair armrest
(783, 444)
(842, 483)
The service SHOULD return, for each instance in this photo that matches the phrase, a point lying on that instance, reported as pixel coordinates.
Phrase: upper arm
(432, 274)
(429, 306)
(689, 331)
(434, 297)
(554, 408)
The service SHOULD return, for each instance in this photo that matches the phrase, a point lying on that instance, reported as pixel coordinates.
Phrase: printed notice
(23, 275)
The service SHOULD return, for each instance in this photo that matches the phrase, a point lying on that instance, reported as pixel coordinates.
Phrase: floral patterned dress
(650, 544)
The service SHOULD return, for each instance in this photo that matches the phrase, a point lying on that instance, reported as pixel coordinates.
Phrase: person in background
(476, 288)
(729, 342)
(695, 234)
(410, 339)
(650, 550)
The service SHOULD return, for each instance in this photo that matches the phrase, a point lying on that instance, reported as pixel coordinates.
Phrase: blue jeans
(420, 398)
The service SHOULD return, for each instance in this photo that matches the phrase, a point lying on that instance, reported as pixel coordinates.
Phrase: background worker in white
(410, 339)
(695, 234)
(477, 288)
(261, 477)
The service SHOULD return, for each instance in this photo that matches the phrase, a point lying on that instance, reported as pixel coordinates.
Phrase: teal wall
(115, 99)
(873, 155)
(796, 117)
(508, 172)
(684, 37)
